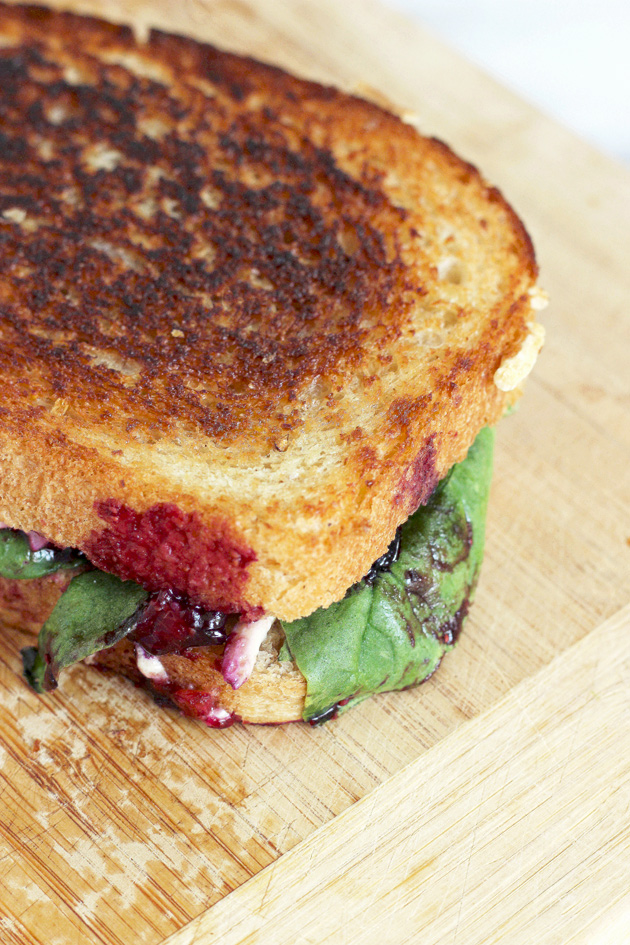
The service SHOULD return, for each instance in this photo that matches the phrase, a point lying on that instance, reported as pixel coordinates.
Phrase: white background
(569, 57)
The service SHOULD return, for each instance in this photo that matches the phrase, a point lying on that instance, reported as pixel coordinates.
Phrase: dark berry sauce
(385, 562)
(451, 629)
(325, 716)
(168, 623)
(330, 713)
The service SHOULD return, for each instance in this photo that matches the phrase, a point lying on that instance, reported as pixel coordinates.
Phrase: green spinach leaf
(392, 633)
(95, 612)
(18, 561)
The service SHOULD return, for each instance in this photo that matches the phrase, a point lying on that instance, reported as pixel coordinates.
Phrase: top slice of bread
(245, 317)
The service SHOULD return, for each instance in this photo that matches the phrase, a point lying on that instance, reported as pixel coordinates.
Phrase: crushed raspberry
(166, 547)
(201, 705)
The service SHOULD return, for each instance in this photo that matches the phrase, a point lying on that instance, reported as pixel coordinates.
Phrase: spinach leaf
(18, 561)
(392, 633)
(34, 668)
(95, 612)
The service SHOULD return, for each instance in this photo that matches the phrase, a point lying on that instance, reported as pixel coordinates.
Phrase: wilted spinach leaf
(392, 633)
(18, 561)
(94, 612)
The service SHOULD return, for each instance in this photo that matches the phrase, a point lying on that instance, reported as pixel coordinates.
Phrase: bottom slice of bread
(273, 694)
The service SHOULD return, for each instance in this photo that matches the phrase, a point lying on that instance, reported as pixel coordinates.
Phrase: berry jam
(166, 547)
(169, 623)
(385, 562)
(201, 705)
(194, 703)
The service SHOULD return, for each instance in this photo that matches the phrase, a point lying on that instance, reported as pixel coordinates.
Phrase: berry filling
(168, 623)
(385, 562)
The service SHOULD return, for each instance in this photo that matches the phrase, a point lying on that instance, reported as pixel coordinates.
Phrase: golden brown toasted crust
(257, 306)
(273, 694)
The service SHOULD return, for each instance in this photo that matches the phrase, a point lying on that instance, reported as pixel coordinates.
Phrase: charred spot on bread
(155, 222)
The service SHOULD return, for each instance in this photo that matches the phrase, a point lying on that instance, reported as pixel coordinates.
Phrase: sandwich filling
(389, 632)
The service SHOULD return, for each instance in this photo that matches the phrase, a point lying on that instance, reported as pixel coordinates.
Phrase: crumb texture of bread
(251, 298)
(273, 694)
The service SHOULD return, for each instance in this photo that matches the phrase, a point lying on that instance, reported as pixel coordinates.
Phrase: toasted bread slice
(246, 321)
(274, 693)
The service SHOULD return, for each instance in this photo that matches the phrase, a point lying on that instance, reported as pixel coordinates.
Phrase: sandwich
(255, 333)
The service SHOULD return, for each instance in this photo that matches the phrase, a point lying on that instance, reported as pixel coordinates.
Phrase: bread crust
(260, 301)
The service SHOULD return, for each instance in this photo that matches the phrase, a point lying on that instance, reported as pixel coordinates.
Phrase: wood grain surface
(492, 804)
(508, 831)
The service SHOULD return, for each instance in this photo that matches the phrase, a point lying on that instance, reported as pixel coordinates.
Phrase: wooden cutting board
(493, 803)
